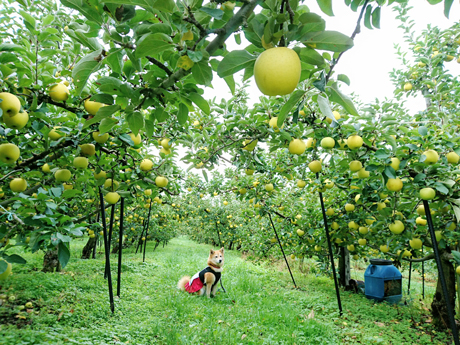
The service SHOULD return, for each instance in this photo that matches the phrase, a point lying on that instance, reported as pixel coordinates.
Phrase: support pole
(441, 273)
(112, 215)
(107, 253)
(282, 251)
(423, 277)
(120, 244)
(328, 236)
(410, 276)
(147, 230)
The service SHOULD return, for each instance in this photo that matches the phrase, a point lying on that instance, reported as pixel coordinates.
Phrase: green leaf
(150, 5)
(287, 107)
(205, 175)
(3, 266)
(326, 6)
(320, 84)
(202, 73)
(376, 18)
(71, 193)
(113, 86)
(200, 102)
(149, 126)
(390, 172)
(310, 56)
(339, 98)
(367, 17)
(85, 8)
(160, 114)
(135, 121)
(325, 107)
(456, 256)
(28, 18)
(182, 114)
(328, 40)
(447, 6)
(441, 188)
(457, 212)
(84, 68)
(344, 78)
(213, 12)
(102, 98)
(231, 83)
(101, 114)
(106, 125)
(419, 177)
(235, 61)
(14, 259)
(9, 47)
(152, 44)
(63, 254)
(422, 130)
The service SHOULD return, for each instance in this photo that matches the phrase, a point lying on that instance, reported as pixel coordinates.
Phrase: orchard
(115, 168)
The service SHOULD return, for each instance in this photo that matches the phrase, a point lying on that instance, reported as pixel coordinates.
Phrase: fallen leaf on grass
(243, 336)
(60, 315)
(428, 321)
(311, 315)
(220, 321)
(380, 324)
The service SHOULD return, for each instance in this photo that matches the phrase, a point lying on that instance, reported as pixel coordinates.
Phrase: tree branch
(159, 64)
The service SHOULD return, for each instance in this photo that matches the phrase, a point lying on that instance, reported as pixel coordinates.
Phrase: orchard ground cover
(259, 307)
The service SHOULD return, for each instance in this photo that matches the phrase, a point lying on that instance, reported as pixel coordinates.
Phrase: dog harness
(196, 283)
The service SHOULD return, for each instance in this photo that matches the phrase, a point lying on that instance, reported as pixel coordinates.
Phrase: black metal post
(441, 273)
(98, 238)
(410, 276)
(282, 251)
(120, 244)
(107, 253)
(328, 236)
(112, 214)
(147, 230)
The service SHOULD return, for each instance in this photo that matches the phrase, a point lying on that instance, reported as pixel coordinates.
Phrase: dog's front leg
(213, 291)
(209, 279)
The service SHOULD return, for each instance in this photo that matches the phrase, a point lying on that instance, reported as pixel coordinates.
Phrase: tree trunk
(438, 307)
(115, 249)
(344, 268)
(88, 248)
(51, 262)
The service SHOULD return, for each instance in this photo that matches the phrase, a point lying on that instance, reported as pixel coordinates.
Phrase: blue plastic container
(383, 281)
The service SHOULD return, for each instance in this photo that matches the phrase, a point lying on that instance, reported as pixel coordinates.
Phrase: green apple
(62, 175)
(17, 121)
(355, 166)
(165, 143)
(363, 230)
(10, 104)
(395, 163)
(349, 207)
(67, 186)
(394, 184)
(397, 227)
(420, 221)
(80, 162)
(363, 173)
(369, 220)
(335, 225)
(384, 248)
(269, 187)
(301, 183)
(9, 153)
(18, 185)
(362, 241)
(100, 175)
(148, 192)
(250, 144)
(55, 134)
(249, 172)
(146, 165)
(327, 143)
(88, 150)
(273, 123)
(427, 193)
(353, 225)
(111, 184)
(46, 168)
(351, 248)
(243, 191)
(315, 166)
(431, 156)
(161, 181)
(416, 243)
(112, 197)
(9, 268)
(300, 232)
(297, 147)
(355, 142)
(59, 92)
(100, 138)
(92, 107)
(136, 138)
(452, 158)
(330, 211)
(407, 86)
(311, 142)
(328, 184)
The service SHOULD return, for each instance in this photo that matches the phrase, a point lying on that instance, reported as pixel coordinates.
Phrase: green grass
(260, 306)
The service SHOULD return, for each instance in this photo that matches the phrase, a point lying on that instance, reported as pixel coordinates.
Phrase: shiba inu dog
(207, 279)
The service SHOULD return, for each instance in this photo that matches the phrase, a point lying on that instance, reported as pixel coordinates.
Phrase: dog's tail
(181, 284)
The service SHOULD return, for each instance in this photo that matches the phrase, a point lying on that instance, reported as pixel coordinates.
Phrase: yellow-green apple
(297, 146)
(394, 184)
(112, 197)
(17, 121)
(100, 138)
(88, 150)
(427, 193)
(10, 104)
(92, 107)
(355, 142)
(80, 162)
(397, 227)
(146, 165)
(327, 143)
(59, 92)
(161, 181)
(18, 185)
(315, 166)
(62, 175)
(9, 153)
(431, 156)
(355, 166)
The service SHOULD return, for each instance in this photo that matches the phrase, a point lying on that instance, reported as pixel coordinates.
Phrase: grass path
(260, 306)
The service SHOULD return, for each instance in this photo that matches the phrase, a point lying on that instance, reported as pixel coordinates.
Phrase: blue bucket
(383, 281)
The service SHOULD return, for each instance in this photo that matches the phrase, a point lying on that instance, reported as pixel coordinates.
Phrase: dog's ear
(211, 252)
(222, 250)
